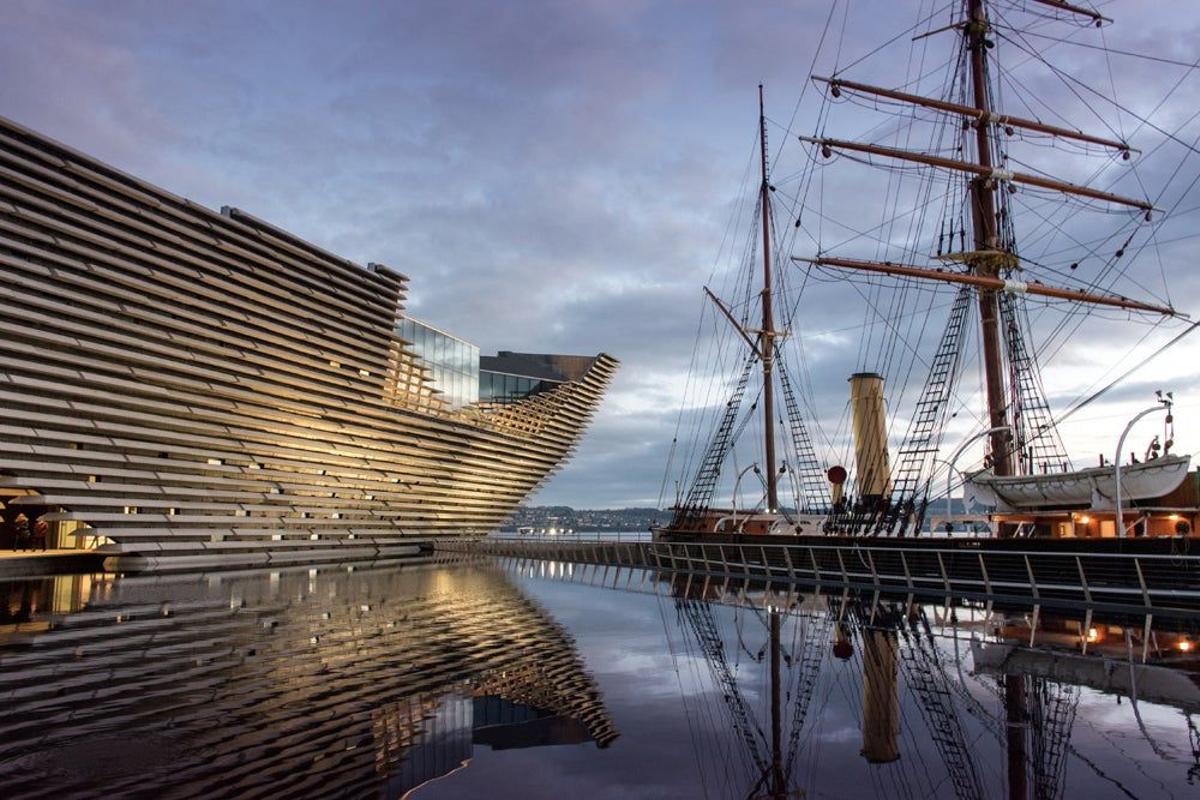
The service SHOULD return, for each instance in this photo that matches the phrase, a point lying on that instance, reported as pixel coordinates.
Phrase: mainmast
(987, 240)
(767, 334)
(991, 261)
(985, 225)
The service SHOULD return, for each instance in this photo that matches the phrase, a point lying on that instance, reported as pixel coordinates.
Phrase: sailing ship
(1027, 485)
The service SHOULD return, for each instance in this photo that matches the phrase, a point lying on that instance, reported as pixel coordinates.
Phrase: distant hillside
(585, 519)
(636, 519)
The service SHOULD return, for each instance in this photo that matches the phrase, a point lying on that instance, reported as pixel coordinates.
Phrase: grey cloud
(555, 176)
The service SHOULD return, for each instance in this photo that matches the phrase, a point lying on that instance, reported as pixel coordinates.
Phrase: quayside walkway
(1152, 584)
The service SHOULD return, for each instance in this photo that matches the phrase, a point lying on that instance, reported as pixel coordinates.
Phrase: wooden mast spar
(989, 283)
(767, 334)
(838, 85)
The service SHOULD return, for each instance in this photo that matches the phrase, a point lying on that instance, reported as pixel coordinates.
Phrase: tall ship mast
(767, 336)
(1027, 486)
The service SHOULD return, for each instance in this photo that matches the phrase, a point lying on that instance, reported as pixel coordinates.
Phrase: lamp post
(1164, 404)
(737, 483)
(959, 452)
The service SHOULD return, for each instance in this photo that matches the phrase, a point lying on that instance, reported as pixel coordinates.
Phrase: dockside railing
(1150, 583)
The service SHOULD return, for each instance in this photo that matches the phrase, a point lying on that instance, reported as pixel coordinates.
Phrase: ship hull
(193, 388)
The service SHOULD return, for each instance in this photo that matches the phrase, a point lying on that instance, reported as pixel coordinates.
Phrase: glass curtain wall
(453, 363)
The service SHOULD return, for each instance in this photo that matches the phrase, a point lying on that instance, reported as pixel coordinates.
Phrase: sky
(562, 176)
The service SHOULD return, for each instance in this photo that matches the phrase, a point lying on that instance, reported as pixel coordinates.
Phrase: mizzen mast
(767, 334)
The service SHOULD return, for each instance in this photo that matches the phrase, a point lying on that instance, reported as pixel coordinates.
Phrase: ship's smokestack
(869, 421)
(881, 698)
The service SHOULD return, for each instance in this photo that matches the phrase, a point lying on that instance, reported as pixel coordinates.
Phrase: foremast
(767, 333)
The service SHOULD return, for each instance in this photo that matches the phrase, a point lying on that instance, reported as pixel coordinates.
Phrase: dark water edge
(549, 680)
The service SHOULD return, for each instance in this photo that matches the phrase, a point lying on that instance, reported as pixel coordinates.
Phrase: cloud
(561, 176)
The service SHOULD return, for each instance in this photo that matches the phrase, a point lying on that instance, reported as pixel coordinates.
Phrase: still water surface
(546, 680)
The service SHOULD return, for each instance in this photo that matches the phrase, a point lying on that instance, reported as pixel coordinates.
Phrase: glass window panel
(439, 349)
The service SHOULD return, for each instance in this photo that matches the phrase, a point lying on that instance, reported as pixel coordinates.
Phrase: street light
(736, 484)
(1164, 404)
(959, 452)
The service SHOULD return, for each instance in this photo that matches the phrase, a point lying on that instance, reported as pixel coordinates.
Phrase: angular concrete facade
(202, 387)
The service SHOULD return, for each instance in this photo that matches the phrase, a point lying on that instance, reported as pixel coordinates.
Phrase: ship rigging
(985, 189)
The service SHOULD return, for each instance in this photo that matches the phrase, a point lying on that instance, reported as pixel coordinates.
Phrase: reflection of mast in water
(1016, 715)
(929, 680)
(771, 765)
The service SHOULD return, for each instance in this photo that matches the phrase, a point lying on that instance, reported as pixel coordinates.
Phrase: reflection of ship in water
(929, 686)
(302, 683)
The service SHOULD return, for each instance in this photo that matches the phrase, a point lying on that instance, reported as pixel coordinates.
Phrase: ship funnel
(869, 426)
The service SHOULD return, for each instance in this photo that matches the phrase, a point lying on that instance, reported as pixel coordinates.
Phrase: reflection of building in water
(290, 684)
(430, 737)
(29, 605)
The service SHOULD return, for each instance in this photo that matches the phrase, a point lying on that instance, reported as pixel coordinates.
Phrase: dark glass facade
(501, 387)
